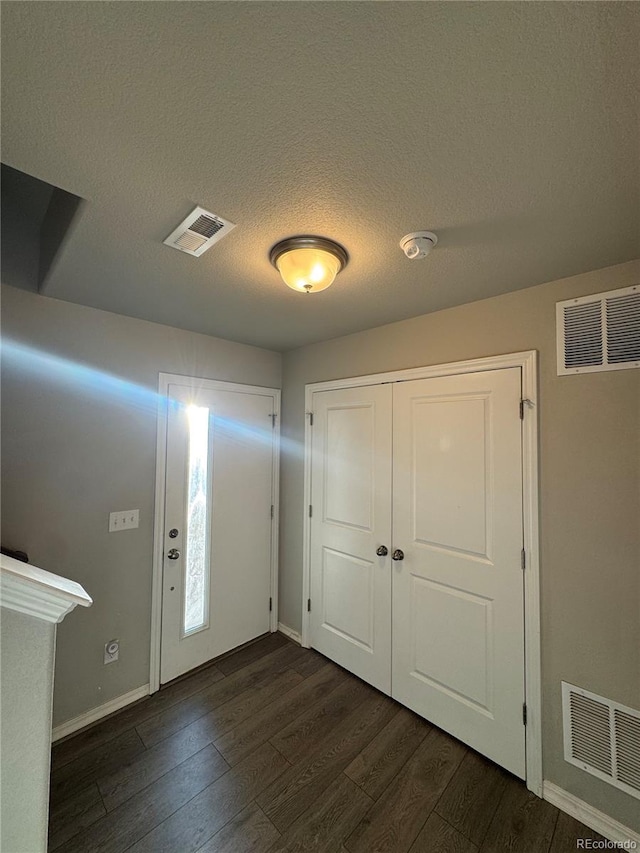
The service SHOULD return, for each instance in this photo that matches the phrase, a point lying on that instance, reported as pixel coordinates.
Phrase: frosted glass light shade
(308, 264)
(308, 269)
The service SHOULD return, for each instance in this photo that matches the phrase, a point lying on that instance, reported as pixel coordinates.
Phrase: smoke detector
(198, 232)
(418, 244)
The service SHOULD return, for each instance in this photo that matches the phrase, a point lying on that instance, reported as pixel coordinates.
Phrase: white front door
(350, 521)
(218, 523)
(458, 625)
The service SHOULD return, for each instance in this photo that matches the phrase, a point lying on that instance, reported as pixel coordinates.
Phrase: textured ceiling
(510, 129)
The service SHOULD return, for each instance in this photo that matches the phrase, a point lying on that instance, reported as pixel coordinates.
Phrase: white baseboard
(98, 713)
(591, 817)
(289, 632)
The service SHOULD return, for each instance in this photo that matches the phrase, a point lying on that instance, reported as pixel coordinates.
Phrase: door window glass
(196, 585)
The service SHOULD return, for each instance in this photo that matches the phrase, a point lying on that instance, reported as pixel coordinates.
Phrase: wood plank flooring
(274, 748)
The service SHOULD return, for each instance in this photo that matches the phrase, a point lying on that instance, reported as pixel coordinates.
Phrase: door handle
(397, 555)
(173, 554)
(382, 551)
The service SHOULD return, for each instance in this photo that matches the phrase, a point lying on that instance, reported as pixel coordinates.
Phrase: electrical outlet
(124, 520)
(111, 651)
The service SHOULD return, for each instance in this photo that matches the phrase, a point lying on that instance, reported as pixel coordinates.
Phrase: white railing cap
(36, 592)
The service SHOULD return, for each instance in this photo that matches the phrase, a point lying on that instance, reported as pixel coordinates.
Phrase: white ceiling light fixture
(307, 263)
(418, 244)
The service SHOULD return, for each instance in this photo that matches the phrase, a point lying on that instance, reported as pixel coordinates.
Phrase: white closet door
(458, 630)
(351, 519)
(218, 527)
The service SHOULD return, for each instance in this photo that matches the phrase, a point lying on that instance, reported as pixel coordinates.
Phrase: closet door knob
(397, 555)
(382, 551)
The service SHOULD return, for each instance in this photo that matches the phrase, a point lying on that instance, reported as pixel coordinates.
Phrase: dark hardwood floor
(274, 748)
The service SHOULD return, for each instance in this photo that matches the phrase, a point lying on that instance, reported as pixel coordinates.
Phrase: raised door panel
(349, 466)
(347, 597)
(458, 663)
(451, 469)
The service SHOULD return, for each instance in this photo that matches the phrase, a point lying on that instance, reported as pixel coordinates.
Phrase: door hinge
(270, 605)
(524, 713)
(308, 605)
(523, 559)
(272, 510)
(273, 417)
(310, 511)
(310, 418)
(525, 402)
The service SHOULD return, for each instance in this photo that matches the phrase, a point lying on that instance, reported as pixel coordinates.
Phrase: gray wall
(589, 482)
(27, 649)
(78, 442)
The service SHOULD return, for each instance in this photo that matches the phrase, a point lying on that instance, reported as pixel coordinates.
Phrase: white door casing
(350, 520)
(526, 362)
(458, 627)
(238, 425)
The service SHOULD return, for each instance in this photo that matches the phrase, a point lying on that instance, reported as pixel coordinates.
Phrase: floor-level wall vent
(198, 232)
(599, 332)
(602, 737)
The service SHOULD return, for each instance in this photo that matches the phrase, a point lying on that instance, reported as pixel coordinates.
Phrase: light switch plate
(124, 519)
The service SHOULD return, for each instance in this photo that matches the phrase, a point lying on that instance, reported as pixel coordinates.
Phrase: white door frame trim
(527, 361)
(164, 380)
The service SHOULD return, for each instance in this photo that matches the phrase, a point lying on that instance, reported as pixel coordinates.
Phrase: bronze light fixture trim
(308, 263)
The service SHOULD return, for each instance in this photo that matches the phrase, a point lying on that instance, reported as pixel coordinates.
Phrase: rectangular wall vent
(198, 232)
(599, 332)
(602, 737)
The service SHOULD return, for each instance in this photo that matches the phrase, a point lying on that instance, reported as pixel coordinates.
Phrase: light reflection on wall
(76, 377)
(109, 389)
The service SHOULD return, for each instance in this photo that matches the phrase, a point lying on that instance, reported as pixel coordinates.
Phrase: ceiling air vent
(599, 332)
(602, 737)
(198, 232)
